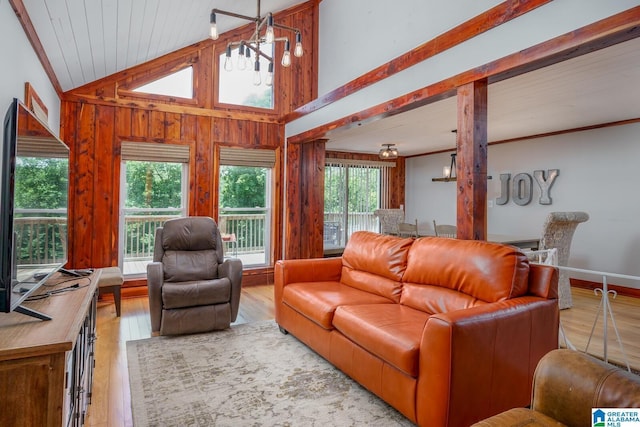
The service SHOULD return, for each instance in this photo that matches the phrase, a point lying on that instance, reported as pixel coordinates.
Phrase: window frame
(184, 189)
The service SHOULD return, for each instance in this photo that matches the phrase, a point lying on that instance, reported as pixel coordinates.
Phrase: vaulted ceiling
(87, 40)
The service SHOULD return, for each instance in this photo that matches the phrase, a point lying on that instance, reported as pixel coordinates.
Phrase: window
(153, 188)
(237, 80)
(245, 204)
(352, 191)
(178, 84)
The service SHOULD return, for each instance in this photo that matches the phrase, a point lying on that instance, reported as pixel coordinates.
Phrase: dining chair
(445, 230)
(557, 232)
(390, 220)
(408, 229)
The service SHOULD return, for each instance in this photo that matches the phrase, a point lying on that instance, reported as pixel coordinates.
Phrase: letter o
(521, 189)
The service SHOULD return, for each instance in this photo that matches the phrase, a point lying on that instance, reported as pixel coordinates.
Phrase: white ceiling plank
(77, 18)
(160, 43)
(134, 32)
(196, 26)
(109, 35)
(122, 34)
(65, 37)
(39, 15)
(180, 16)
(146, 31)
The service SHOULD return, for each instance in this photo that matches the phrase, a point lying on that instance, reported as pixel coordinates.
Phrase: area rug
(248, 375)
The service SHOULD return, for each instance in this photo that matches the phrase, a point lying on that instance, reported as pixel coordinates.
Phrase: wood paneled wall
(304, 219)
(98, 117)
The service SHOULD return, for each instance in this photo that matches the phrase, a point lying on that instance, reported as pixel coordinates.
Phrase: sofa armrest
(155, 278)
(568, 384)
(232, 269)
(304, 270)
(307, 270)
(482, 359)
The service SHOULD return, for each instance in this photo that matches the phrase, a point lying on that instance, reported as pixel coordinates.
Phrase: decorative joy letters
(522, 186)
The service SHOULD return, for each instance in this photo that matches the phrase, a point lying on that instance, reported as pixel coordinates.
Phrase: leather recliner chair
(567, 385)
(192, 288)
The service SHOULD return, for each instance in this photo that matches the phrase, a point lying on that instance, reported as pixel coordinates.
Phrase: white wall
(357, 36)
(350, 44)
(598, 175)
(19, 65)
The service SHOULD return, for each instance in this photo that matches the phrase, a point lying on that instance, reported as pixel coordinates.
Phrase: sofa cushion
(487, 271)
(436, 299)
(317, 301)
(375, 263)
(190, 294)
(390, 331)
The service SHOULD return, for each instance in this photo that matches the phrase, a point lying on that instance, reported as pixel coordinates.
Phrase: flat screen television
(34, 188)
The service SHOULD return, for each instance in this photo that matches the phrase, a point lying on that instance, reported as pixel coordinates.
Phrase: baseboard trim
(621, 290)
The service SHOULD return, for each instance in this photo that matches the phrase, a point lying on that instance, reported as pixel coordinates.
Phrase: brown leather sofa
(447, 331)
(567, 385)
(192, 288)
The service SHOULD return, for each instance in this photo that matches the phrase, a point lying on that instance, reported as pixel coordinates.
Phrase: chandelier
(389, 152)
(249, 50)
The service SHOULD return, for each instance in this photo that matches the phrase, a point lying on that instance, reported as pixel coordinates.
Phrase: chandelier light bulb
(286, 56)
(213, 32)
(228, 66)
(257, 79)
(247, 57)
(269, 36)
(297, 50)
(242, 63)
(269, 80)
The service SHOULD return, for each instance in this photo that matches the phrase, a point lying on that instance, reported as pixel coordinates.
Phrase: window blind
(41, 147)
(155, 152)
(247, 157)
(353, 190)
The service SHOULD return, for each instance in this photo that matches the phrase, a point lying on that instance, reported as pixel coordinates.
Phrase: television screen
(33, 223)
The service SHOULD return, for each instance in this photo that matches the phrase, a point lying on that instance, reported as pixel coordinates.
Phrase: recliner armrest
(155, 279)
(231, 268)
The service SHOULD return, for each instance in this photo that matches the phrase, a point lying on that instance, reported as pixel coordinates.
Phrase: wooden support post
(472, 161)
(305, 200)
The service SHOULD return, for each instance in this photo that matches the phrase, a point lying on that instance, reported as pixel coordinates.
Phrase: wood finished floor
(111, 401)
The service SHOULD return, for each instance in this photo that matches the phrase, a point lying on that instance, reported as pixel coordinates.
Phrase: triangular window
(178, 84)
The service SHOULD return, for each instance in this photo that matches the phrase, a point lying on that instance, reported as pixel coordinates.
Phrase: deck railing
(139, 235)
(334, 233)
(42, 243)
(248, 226)
(40, 239)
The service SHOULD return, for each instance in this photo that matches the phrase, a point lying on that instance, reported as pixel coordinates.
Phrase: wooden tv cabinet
(46, 367)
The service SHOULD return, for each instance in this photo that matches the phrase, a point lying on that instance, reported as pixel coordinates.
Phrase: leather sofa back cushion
(370, 256)
(182, 266)
(436, 299)
(376, 253)
(372, 283)
(486, 271)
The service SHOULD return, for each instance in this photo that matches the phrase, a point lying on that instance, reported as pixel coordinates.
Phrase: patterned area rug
(248, 375)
